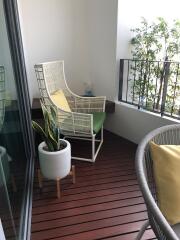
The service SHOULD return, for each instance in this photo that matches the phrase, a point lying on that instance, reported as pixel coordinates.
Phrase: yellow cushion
(60, 100)
(166, 165)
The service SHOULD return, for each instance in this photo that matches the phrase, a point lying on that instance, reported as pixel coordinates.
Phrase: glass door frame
(19, 68)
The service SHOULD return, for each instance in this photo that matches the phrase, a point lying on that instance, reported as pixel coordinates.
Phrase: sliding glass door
(14, 158)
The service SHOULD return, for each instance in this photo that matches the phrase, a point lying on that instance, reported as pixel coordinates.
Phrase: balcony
(91, 37)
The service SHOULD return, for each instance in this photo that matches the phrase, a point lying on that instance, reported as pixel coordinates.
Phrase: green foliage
(50, 133)
(152, 42)
(145, 44)
(169, 38)
(157, 40)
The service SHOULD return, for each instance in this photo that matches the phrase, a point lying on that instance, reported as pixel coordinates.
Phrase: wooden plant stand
(58, 183)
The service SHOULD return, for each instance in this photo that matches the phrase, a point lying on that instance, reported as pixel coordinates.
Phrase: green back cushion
(98, 121)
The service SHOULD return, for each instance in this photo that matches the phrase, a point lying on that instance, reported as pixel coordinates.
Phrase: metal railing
(151, 85)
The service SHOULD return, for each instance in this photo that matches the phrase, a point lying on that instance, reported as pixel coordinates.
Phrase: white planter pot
(55, 164)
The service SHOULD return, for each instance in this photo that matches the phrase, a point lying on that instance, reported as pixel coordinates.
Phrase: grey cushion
(176, 228)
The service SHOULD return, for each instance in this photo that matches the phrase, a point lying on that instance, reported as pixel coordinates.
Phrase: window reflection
(5, 170)
(2, 96)
(12, 154)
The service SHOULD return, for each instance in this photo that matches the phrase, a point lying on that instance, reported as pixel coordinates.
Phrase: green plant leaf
(50, 133)
(38, 129)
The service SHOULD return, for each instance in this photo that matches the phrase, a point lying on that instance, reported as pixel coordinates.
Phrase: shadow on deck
(105, 202)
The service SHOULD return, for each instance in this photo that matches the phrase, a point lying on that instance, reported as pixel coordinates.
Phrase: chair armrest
(87, 104)
(71, 123)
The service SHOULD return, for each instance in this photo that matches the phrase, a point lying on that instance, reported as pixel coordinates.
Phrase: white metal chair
(78, 117)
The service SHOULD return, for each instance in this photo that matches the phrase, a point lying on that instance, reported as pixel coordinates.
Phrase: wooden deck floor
(105, 203)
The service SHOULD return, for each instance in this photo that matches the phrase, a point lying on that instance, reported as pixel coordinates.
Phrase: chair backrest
(2, 96)
(144, 168)
(54, 76)
(51, 78)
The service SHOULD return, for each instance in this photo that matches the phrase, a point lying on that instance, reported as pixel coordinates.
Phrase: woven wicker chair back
(54, 76)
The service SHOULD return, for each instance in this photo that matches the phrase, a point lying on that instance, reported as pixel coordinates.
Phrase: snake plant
(50, 133)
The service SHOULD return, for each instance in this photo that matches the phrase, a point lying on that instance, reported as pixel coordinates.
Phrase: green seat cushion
(98, 120)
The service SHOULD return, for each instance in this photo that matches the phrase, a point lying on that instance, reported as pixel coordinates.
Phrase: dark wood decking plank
(93, 184)
(97, 187)
(88, 226)
(72, 220)
(83, 184)
(39, 202)
(105, 202)
(104, 232)
(88, 202)
(92, 176)
(87, 209)
(148, 235)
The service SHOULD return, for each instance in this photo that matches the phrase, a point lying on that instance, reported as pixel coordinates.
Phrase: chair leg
(93, 148)
(102, 134)
(74, 174)
(100, 144)
(94, 152)
(58, 188)
(40, 179)
(142, 230)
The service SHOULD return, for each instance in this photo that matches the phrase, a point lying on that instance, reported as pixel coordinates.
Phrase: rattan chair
(165, 135)
(78, 117)
(2, 96)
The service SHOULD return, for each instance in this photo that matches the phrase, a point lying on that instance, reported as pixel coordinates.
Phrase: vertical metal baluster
(139, 103)
(157, 74)
(147, 87)
(121, 73)
(134, 80)
(127, 83)
(166, 77)
(175, 86)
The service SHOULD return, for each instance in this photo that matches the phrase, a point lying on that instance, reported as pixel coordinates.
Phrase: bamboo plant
(50, 133)
(153, 42)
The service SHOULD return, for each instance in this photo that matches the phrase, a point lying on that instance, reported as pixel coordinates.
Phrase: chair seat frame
(93, 140)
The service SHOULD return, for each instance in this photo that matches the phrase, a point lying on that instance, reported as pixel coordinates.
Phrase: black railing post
(150, 86)
(165, 87)
(121, 73)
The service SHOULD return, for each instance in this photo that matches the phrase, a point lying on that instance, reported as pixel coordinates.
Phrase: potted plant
(54, 153)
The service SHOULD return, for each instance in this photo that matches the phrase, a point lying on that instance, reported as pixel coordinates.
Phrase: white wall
(82, 32)
(134, 124)
(85, 34)
(137, 9)
(52, 30)
(128, 121)
(102, 15)
(47, 34)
